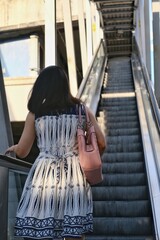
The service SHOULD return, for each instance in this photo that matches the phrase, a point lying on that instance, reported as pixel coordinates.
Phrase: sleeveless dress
(57, 200)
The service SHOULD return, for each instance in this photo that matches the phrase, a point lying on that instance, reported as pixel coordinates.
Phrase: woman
(56, 202)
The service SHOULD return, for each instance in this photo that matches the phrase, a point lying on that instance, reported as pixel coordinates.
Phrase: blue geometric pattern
(54, 228)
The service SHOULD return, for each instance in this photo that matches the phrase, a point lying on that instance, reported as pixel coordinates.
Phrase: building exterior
(27, 44)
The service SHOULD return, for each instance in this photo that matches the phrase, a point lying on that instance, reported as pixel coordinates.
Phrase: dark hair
(51, 91)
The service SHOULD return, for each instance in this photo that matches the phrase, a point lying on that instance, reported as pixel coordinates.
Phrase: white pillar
(156, 37)
(149, 38)
(94, 27)
(82, 34)
(34, 56)
(70, 46)
(89, 31)
(50, 32)
(140, 30)
(98, 30)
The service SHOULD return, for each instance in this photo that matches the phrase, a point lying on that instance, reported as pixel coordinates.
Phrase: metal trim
(4, 174)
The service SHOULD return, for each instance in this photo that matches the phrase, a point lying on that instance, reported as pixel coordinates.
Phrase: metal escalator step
(88, 237)
(123, 157)
(113, 125)
(123, 132)
(123, 139)
(126, 80)
(117, 90)
(127, 193)
(120, 108)
(118, 100)
(116, 119)
(125, 179)
(123, 167)
(124, 73)
(120, 113)
(123, 226)
(128, 83)
(114, 100)
(113, 75)
(124, 147)
(115, 105)
(121, 209)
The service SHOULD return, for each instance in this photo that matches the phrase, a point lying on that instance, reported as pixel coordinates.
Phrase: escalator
(122, 208)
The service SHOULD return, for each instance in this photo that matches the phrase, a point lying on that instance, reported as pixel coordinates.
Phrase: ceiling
(118, 22)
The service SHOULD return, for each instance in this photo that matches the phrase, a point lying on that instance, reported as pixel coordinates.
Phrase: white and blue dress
(57, 200)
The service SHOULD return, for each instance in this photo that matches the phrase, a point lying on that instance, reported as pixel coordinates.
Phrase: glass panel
(94, 75)
(16, 183)
(15, 58)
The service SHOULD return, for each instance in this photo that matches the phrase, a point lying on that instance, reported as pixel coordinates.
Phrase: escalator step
(123, 226)
(125, 179)
(123, 132)
(121, 209)
(124, 84)
(124, 139)
(120, 108)
(121, 100)
(118, 238)
(123, 157)
(116, 119)
(123, 167)
(113, 125)
(120, 113)
(117, 90)
(124, 147)
(115, 193)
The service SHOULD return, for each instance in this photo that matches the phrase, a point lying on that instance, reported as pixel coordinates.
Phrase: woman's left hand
(11, 149)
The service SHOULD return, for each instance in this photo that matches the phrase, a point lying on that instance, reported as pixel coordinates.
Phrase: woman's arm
(25, 143)
(100, 137)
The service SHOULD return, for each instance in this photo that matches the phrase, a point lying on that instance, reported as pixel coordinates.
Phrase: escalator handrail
(12, 162)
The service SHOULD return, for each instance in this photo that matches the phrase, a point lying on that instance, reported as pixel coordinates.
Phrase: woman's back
(56, 132)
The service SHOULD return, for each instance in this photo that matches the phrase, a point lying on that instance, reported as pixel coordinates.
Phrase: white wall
(140, 30)
(144, 35)
(17, 98)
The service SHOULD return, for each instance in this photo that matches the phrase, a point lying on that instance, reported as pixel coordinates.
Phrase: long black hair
(51, 91)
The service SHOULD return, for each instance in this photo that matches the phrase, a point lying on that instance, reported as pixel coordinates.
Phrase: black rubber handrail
(12, 161)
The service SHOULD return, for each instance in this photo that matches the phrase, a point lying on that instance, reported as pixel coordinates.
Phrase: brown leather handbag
(89, 155)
